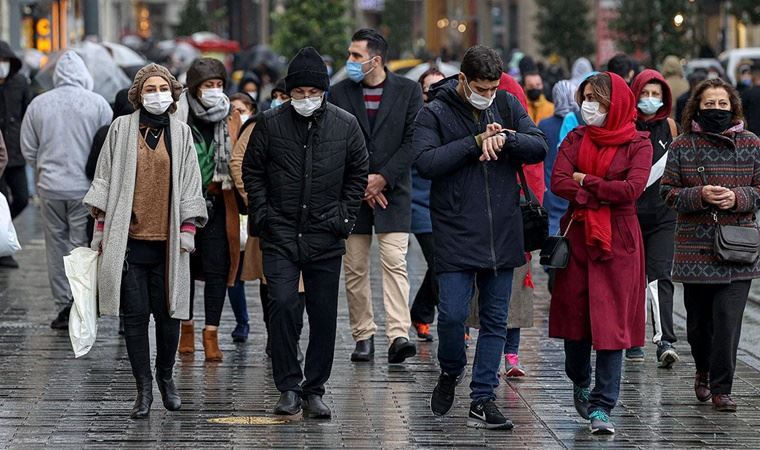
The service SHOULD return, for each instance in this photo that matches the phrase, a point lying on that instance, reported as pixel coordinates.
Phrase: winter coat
(751, 107)
(305, 179)
(421, 222)
(3, 155)
(16, 97)
(651, 208)
(112, 191)
(602, 300)
(389, 147)
(540, 109)
(475, 206)
(59, 127)
(730, 160)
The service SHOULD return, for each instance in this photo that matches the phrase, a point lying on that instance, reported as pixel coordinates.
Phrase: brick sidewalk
(48, 398)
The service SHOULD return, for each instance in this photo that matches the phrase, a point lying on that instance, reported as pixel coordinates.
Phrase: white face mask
(5, 69)
(307, 106)
(210, 97)
(244, 118)
(477, 100)
(157, 102)
(591, 115)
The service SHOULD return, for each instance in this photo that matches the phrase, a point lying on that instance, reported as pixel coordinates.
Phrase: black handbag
(733, 243)
(555, 252)
(535, 217)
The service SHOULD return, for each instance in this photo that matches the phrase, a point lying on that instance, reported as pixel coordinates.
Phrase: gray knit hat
(153, 70)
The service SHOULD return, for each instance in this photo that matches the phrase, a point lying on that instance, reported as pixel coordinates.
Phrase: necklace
(154, 133)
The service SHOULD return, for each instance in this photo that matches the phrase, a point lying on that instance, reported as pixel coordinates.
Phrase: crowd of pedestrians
(646, 173)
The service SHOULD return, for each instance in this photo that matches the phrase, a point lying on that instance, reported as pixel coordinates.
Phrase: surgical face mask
(476, 100)
(244, 118)
(306, 106)
(650, 105)
(591, 115)
(275, 103)
(254, 96)
(5, 69)
(211, 96)
(157, 102)
(355, 71)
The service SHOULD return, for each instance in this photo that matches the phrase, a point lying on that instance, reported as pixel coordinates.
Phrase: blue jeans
(456, 290)
(513, 341)
(236, 294)
(609, 364)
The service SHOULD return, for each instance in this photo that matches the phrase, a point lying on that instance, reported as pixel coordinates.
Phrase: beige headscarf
(153, 70)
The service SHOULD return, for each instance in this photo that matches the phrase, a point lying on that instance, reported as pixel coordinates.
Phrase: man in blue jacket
(471, 146)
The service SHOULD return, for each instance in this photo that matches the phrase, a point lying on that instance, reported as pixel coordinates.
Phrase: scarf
(156, 122)
(563, 95)
(222, 143)
(598, 148)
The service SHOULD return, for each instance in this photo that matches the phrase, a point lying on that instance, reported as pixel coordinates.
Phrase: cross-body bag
(535, 218)
(555, 253)
(733, 243)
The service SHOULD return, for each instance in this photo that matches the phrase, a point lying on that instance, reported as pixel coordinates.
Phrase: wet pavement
(50, 399)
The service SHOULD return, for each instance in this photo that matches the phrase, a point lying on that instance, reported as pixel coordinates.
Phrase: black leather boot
(289, 404)
(144, 398)
(364, 351)
(315, 408)
(169, 394)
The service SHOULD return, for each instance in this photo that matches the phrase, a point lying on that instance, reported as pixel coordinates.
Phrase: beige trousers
(393, 247)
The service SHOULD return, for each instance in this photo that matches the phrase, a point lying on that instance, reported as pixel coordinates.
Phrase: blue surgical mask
(650, 105)
(275, 103)
(355, 71)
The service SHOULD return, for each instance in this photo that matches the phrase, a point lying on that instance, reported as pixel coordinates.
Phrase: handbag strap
(530, 197)
(572, 218)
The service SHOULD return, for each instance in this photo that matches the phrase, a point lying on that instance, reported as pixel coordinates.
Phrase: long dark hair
(692, 106)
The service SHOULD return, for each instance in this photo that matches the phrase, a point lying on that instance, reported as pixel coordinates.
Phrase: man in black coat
(305, 172)
(385, 105)
(470, 146)
(15, 96)
(751, 102)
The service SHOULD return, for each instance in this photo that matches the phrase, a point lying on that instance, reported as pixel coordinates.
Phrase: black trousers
(143, 292)
(426, 300)
(713, 328)
(658, 250)
(211, 263)
(14, 186)
(321, 281)
(266, 308)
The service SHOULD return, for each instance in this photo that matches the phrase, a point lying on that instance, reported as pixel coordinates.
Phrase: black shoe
(289, 404)
(400, 350)
(62, 321)
(144, 399)
(581, 400)
(240, 333)
(666, 355)
(364, 351)
(485, 414)
(443, 394)
(634, 354)
(169, 394)
(315, 408)
(8, 262)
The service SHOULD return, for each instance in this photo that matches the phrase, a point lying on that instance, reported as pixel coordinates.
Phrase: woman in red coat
(598, 300)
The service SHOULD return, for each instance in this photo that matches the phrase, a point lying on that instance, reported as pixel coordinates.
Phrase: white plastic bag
(243, 232)
(8, 240)
(82, 271)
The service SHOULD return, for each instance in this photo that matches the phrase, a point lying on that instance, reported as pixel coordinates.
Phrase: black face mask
(533, 94)
(714, 120)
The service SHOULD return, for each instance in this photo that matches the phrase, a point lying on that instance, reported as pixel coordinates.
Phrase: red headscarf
(652, 76)
(507, 83)
(598, 149)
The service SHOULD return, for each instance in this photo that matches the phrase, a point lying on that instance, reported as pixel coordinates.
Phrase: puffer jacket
(475, 206)
(730, 160)
(305, 179)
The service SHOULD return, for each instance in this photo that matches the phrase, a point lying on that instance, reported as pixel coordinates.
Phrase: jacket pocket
(625, 235)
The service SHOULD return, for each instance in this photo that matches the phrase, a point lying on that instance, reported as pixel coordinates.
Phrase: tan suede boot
(211, 345)
(187, 338)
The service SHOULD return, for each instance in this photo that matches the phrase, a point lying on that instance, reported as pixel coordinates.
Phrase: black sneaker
(485, 414)
(634, 354)
(581, 400)
(443, 394)
(62, 321)
(666, 355)
(8, 262)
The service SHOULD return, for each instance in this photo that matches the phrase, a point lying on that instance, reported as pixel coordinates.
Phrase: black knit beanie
(307, 69)
(204, 69)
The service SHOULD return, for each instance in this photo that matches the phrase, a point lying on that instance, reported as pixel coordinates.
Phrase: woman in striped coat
(715, 292)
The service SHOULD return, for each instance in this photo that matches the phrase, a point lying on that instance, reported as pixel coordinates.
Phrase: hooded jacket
(59, 127)
(475, 206)
(15, 96)
(651, 207)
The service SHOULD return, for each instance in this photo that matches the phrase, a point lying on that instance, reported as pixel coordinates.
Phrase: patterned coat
(731, 160)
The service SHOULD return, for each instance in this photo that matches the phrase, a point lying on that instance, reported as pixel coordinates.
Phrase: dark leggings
(211, 263)
(143, 292)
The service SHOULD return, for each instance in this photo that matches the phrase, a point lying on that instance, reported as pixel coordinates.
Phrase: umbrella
(447, 69)
(123, 55)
